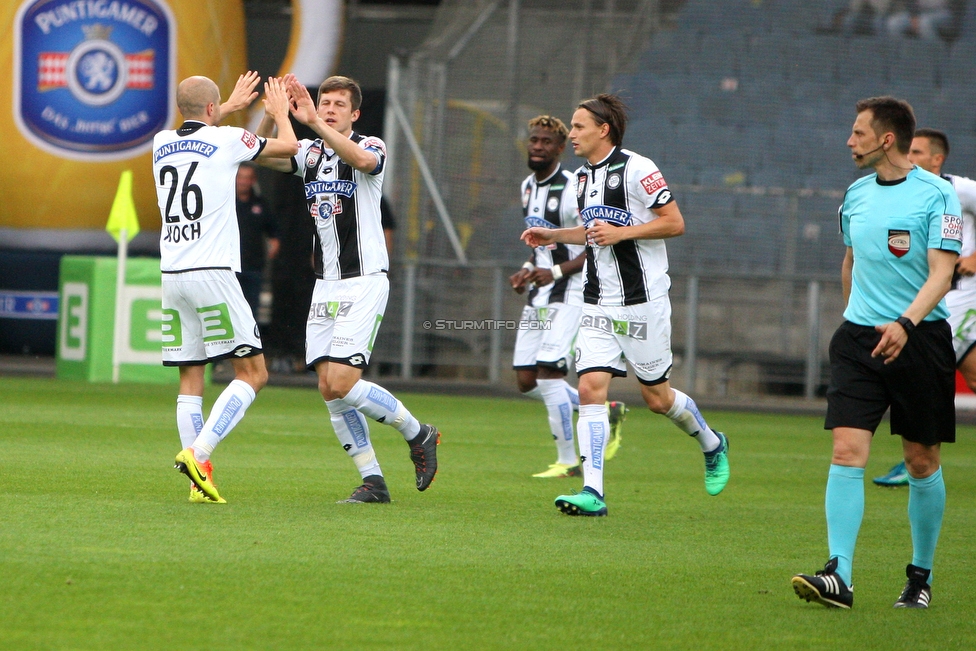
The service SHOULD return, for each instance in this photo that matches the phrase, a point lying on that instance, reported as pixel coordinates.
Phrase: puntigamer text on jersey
(192, 146)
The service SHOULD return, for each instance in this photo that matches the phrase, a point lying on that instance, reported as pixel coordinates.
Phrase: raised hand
(275, 98)
(243, 93)
(302, 106)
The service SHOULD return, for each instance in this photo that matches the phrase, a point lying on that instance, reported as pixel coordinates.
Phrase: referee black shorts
(919, 386)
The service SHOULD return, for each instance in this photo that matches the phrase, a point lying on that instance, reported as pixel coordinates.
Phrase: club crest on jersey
(609, 214)
(94, 80)
(613, 181)
(322, 211)
(553, 204)
(899, 242)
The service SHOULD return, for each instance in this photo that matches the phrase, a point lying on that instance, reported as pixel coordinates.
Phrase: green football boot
(717, 466)
(587, 502)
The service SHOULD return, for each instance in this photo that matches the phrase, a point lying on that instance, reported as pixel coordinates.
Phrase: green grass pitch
(99, 548)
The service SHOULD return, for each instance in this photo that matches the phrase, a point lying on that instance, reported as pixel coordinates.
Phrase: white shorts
(546, 335)
(610, 337)
(962, 320)
(205, 318)
(343, 319)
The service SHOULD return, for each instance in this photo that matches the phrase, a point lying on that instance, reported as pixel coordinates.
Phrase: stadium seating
(750, 93)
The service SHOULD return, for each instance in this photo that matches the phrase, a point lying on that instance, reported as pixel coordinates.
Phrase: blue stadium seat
(723, 176)
(953, 109)
(797, 16)
(866, 58)
(672, 99)
(810, 57)
(680, 174)
(915, 90)
(962, 153)
(919, 61)
(957, 68)
(821, 247)
(670, 53)
(643, 134)
(718, 55)
(769, 176)
(737, 16)
(763, 57)
(968, 27)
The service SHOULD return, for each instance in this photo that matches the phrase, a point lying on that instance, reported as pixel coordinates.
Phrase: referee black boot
(917, 592)
(825, 587)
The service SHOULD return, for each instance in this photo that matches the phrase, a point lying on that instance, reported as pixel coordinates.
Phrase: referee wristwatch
(906, 324)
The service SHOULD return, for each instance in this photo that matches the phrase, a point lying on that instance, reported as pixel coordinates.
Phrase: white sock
(189, 418)
(535, 393)
(684, 413)
(227, 412)
(352, 430)
(560, 410)
(593, 430)
(573, 394)
(383, 407)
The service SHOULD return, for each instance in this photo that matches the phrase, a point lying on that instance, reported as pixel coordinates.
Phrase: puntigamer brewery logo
(93, 79)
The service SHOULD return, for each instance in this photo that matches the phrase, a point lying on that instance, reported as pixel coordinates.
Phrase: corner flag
(123, 225)
(123, 216)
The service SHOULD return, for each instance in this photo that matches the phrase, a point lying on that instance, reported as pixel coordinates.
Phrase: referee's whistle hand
(893, 339)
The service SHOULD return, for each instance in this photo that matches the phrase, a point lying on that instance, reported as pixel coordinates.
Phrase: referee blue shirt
(891, 225)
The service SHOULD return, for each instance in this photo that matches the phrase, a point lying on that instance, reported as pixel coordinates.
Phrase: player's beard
(539, 165)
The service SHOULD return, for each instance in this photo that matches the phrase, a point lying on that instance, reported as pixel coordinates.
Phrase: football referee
(903, 230)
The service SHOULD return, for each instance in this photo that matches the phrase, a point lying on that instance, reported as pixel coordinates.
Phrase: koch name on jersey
(194, 168)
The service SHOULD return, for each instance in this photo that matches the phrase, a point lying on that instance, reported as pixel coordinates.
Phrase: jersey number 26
(187, 190)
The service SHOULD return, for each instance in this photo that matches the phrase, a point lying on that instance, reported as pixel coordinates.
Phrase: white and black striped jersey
(345, 204)
(621, 190)
(194, 168)
(966, 191)
(551, 204)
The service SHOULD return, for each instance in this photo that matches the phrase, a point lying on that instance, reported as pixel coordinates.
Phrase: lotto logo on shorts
(632, 329)
(93, 79)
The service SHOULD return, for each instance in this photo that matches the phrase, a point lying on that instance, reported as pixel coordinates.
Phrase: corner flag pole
(123, 225)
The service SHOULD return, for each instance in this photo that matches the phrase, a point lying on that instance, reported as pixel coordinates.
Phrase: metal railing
(450, 320)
